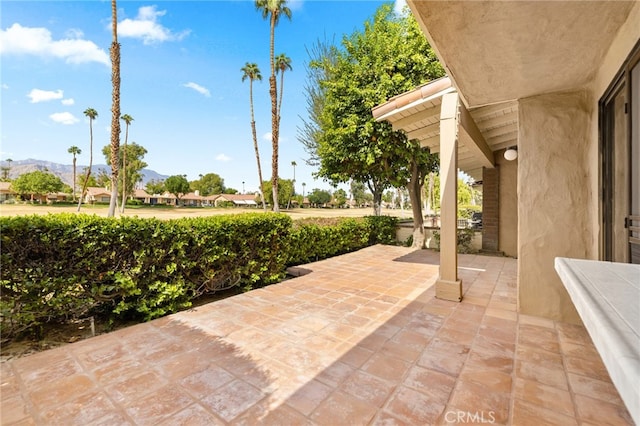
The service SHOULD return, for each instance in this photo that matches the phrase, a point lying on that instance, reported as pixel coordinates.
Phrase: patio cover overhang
(434, 115)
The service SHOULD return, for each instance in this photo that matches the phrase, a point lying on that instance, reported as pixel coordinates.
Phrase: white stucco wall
(555, 198)
(508, 234)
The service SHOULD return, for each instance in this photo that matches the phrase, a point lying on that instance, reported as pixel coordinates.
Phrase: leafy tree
(92, 114)
(127, 120)
(389, 57)
(84, 182)
(285, 193)
(319, 197)
(340, 197)
(74, 150)
(358, 192)
(135, 153)
(283, 63)
(208, 184)
(273, 10)
(230, 191)
(155, 187)
(178, 185)
(252, 72)
(115, 108)
(37, 183)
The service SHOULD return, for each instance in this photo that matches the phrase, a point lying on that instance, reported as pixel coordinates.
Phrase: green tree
(178, 185)
(340, 197)
(273, 10)
(127, 120)
(92, 114)
(84, 182)
(358, 192)
(37, 183)
(209, 184)
(115, 108)
(132, 171)
(74, 150)
(319, 197)
(155, 187)
(390, 56)
(283, 63)
(252, 72)
(285, 193)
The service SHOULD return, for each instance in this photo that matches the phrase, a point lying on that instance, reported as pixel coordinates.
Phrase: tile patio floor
(360, 340)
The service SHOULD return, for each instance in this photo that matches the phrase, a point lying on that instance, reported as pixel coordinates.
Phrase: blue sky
(181, 81)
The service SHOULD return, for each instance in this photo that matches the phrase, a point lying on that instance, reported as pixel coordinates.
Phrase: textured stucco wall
(508, 235)
(555, 209)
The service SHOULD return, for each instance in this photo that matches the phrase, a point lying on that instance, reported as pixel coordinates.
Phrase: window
(620, 164)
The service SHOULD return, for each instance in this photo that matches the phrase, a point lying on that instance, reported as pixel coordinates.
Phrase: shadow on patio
(360, 340)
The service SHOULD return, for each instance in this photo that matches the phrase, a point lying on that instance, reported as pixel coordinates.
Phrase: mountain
(65, 171)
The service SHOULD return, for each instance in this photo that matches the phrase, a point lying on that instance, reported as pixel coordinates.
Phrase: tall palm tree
(92, 114)
(127, 120)
(273, 9)
(74, 150)
(115, 107)
(283, 63)
(252, 72)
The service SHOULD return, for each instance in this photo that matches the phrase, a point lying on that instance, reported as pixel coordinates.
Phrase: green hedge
(66, 266)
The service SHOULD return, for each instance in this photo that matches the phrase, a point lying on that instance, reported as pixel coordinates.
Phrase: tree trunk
(115, 109)
(415, 187)
(74, 177)
(124, 169)
(255, 146)
(86, 179)
(273, 91)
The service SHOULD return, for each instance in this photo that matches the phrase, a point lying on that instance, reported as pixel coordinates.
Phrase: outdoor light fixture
(511, 153)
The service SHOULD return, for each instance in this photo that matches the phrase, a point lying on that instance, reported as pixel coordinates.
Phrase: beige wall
(508, 234)
(555, 198)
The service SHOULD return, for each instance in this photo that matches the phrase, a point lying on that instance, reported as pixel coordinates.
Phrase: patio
(359, 339)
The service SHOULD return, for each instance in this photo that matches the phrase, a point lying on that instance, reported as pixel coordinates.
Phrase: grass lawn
(168, 212)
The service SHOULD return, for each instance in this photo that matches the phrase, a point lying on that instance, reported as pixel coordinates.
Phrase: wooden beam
(478, 146)
(430, 112)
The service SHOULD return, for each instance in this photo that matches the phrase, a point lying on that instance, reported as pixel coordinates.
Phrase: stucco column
(448, 286)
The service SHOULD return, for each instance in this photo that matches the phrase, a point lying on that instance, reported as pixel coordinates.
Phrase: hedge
(65, 266)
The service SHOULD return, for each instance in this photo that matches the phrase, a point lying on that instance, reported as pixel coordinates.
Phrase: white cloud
(38, 42)
(146, 27)
(5, 86)
(198, 88)
(68, 101)
(64, 118)
(223, 157)
(38, 95)
(267, 136)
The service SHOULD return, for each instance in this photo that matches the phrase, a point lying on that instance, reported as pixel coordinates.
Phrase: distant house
(238, 200)
(6, 193)
(192, 199)
(96, 194)
(144, 197)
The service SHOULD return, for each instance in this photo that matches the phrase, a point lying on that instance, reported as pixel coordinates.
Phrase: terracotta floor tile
(573, 333)
(182, 365)
(526, 414)
(368, 388)
(593, 388)
(47, 372)
(158, 405)
(14, 409)
(538, 337)
(386, 367)
(544, 396)
(81, 411)
(309, 397)
(492, 380)
(61, 391)
(193, 415)
(436, 385)
(343, 409)
(600, 412)
(539, 357)
(593, 368)
(472, 397)
(135, 386)
(405, 352)
(443, 356)
(413, 407)
(543, 374)
(205, 382)
(231, 400)
(335, 374)
(386, 419)
(111, 419)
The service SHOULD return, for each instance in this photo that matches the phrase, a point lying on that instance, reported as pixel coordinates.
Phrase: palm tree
(92, 114)
(283, 63)
(252, 72)
(127, 120)
(273, 9)
(303, 187)
(115, 108)
(74, 150)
